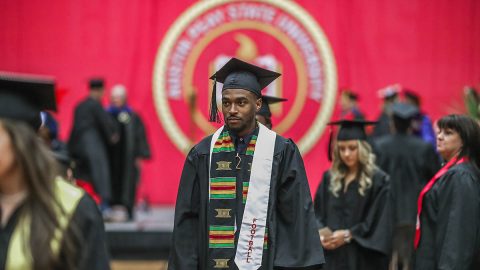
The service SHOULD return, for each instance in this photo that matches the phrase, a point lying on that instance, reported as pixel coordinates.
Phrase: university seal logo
(277, 35)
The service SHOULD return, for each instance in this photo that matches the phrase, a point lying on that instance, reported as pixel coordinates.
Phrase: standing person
(93, 129)
(410, 162)
(127, 153)
(422, 124)
(448, 223)
(349, 106)
(46, 223)
(264, 115)
(389, 95)
(243, 200)
(352, 204)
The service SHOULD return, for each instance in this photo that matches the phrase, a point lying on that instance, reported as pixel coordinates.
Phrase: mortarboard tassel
(330, 139)
(214, 117)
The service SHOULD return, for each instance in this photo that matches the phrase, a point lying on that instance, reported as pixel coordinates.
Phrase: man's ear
(258, 104)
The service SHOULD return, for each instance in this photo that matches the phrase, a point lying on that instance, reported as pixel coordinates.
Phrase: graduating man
(264, 115)
(244, 200)
(410, 162)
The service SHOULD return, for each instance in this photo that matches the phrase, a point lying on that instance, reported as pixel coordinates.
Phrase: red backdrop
(430, 46)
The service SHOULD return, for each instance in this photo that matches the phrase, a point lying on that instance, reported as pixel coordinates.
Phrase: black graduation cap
(96, 82)
(266, 102)
(352, 129)
(404, 111)
(22, 97)
(237, 74)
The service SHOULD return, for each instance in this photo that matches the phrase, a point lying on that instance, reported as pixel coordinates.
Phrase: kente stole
(229, 183)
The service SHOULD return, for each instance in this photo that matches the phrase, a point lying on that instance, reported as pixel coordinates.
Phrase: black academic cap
(96, 83)
(352, 129)
(266, 101)
(237, 74)
(404, 111)
(22, 97)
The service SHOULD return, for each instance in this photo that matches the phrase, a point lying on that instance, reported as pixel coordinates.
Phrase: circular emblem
(277, 35)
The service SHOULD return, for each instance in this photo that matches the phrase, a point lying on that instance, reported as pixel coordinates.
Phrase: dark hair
(39, 170)
(412, 96)
(469, 131)
(401, 125)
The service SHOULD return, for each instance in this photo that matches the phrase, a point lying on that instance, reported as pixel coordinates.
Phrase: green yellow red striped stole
(228, 189)
(222, 237)
(251, 146)
(224, 143)
(245, 191)
(222, 188)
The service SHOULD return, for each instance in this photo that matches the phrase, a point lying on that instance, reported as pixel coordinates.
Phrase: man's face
(239, 107)
(117, 100)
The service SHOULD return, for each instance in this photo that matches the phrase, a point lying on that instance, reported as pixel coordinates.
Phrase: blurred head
(348, 100)
(352, 155)
(411, 97)
(96, 87)
(118, 97)
(459, 135)
(239, 107)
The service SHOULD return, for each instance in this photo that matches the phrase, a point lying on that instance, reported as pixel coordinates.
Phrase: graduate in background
(349, 105)
(389, 96)
(410, 162)
(243, 201)
(46, 223)
(448, 224)
(264, 115)
(352, 204)
(93, 130)
(422, 124)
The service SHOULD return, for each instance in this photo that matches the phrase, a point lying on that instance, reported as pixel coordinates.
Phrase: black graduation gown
(367, 217)
(294, 242)
(124, 171)
(92, 130)
(91, 251)
(410, 163)
(450, 222)
(383, 126)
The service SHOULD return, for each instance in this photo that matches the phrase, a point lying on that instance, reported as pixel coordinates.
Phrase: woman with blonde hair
(352, 204)
(46, 223)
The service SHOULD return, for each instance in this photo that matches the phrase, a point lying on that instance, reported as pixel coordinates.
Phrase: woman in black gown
(448, 217)
(351, 204)
(46, 223)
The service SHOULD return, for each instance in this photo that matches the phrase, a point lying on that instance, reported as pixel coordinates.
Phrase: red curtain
(432, 47)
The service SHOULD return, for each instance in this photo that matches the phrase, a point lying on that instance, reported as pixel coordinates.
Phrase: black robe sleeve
(375, 230)
(458, 223)
(142, 148)
(104, 122)
(185, 242)
(298, 242)
(321, 200)
(91, 250)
